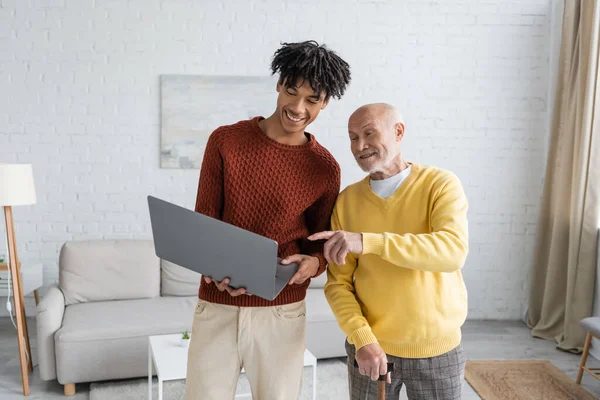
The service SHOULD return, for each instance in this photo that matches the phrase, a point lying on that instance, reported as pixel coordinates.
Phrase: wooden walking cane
(380, 381)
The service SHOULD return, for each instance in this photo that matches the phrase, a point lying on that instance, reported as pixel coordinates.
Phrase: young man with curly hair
(271, 177)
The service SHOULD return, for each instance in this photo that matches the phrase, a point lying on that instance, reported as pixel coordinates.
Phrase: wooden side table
(32, 279)
(4, 267)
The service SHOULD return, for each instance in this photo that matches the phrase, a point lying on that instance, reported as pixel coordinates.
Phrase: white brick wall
(79, 98)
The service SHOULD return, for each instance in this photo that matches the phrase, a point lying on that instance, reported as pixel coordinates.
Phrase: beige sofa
(112, 294)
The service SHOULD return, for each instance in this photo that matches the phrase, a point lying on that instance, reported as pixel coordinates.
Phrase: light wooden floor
(481, 340)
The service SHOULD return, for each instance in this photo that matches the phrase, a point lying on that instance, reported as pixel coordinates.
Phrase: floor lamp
(16, 189)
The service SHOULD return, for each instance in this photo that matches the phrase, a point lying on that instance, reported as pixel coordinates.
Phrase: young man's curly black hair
(323, 68)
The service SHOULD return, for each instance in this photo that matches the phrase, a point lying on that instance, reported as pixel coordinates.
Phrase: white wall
(79, 98)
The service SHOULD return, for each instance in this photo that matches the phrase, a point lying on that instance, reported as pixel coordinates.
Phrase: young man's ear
(278, 87)
(325, 103)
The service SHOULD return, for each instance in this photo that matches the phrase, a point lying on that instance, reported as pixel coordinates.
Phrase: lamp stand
(19, 303)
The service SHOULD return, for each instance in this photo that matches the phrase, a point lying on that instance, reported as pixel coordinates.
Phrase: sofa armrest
(49, 317)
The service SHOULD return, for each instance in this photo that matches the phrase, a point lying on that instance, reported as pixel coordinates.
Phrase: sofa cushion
(324, 337)
(319, 281)
(177, 280)
(317, 307)
(106, 320)
(109, 340)
(100, 270)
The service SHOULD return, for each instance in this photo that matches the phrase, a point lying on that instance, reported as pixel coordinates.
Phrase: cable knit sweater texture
(283, 192)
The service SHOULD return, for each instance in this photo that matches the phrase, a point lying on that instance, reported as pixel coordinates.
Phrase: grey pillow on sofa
(101, 270)
(319, 281)
(178, 281)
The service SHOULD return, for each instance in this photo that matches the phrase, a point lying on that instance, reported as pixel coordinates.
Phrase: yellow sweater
(406, 290)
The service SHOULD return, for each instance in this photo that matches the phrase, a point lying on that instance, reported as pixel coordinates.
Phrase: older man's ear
(399, 131)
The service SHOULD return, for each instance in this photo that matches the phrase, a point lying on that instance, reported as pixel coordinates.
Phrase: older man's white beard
(381, 166)
(372, 169)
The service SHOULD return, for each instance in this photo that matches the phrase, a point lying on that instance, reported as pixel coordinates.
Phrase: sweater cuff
(322, 264)
(372, 243)
(362, 337)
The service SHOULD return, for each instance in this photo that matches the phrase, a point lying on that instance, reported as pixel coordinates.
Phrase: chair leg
(70, 389)
(584, 356)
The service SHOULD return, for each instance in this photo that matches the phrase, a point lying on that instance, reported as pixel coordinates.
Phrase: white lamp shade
(16, 185)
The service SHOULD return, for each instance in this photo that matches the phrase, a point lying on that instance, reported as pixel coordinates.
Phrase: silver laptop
(217, 249)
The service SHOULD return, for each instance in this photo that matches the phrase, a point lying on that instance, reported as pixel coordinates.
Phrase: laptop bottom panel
(280, 285)
(283, 275)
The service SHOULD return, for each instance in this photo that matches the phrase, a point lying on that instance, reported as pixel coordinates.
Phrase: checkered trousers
(435, 378)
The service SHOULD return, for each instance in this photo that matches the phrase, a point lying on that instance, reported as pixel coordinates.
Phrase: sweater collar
(271, 142)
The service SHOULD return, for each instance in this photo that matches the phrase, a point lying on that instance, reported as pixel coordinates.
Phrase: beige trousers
(268, 342)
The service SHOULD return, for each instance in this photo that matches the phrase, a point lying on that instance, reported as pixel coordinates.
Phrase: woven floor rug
(522, 380)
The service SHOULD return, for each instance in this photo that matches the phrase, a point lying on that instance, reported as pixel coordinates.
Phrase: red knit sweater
(283, 192)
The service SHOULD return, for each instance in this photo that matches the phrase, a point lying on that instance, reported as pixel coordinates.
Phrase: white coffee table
(170, 361)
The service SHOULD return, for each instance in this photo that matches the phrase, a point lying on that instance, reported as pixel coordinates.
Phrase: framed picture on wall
(193, 106)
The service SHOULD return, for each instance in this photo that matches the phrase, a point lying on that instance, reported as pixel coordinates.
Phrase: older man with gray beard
(398, 243)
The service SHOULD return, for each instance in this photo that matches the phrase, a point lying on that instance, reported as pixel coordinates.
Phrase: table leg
(160, 388)
(315, 380)
(149, 371)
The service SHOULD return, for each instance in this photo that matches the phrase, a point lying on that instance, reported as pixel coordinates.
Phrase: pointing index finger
(321, 235)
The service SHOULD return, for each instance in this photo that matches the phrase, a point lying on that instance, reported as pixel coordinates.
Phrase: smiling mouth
(364, 156)
(292, 117)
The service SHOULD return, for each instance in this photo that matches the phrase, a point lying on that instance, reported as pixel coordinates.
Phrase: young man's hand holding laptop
(224, 285)
(307, 267)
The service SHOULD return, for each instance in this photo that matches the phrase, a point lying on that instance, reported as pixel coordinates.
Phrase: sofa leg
(70, 389)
